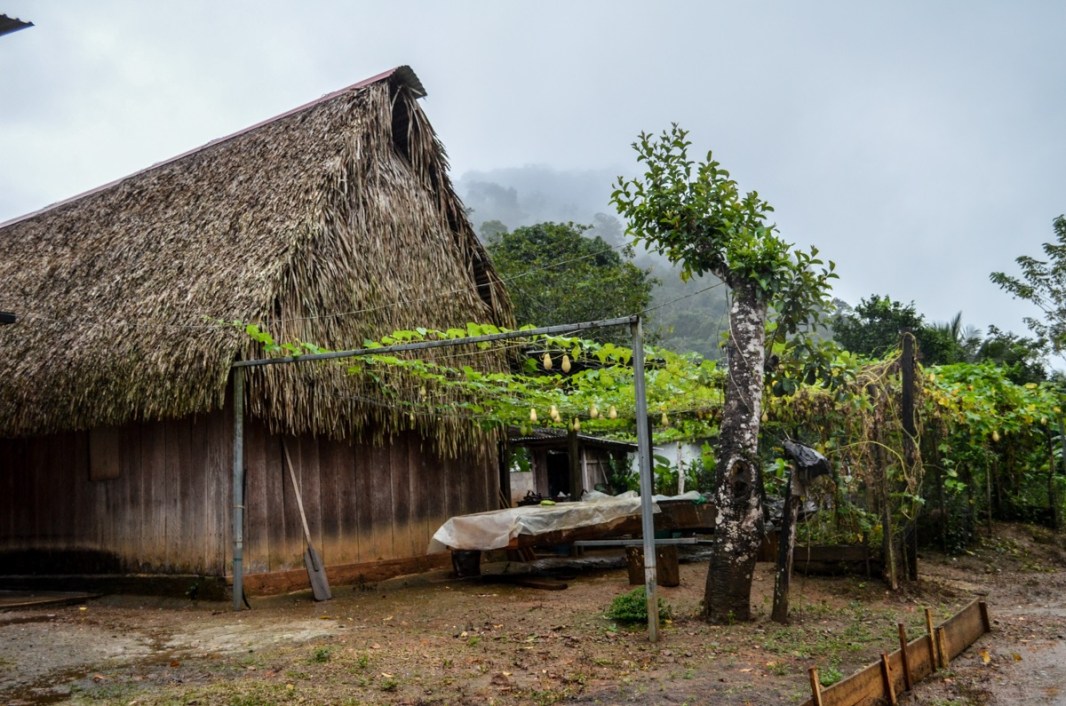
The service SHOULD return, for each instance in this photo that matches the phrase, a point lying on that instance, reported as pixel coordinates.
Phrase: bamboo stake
(886, 676)
(942, 646)
(904, 659)
(933, 652)
(816, 686)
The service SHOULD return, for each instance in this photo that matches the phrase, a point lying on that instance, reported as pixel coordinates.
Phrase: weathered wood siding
(164, 512)
(169, 508)
(364, 503)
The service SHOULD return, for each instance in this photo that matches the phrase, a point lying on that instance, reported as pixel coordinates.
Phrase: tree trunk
(739, 527)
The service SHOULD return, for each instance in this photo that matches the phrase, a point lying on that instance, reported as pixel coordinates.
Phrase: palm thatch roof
(332, 223)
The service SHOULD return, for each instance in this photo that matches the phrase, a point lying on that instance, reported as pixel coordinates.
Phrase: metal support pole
(238, 488)
(647, 520)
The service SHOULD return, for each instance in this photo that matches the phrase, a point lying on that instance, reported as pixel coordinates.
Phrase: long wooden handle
(296, 489)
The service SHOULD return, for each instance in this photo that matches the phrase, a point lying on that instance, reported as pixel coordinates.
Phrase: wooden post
(786, 544)
(503, 451)
(985, 620)
(942, 647)
(934, 652)
(886, 677)
(573, 450)
(816, 686)
(904, 659)
(909, 534)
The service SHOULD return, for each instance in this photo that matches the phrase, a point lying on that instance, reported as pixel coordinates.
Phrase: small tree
(1043, 283)
(695, 216)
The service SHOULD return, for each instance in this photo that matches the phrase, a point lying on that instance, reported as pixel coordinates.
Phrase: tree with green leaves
(874, 326)
(557, 275)
(1043, 283)
(694, 214)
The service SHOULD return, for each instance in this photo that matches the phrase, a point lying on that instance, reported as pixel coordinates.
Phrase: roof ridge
(403, 74)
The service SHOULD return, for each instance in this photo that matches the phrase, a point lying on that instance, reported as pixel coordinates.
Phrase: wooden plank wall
(872, 685)
(168, 510)
(364, 503)
(165, 512)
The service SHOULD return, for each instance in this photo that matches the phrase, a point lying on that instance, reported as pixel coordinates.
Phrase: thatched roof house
(332, 223)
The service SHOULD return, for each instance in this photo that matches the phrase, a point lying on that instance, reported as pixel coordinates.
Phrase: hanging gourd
(547, 361)
(612, 413)
(533, 414)
(566, 363)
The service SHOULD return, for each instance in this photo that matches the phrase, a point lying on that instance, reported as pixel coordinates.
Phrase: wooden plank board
(403, 486)
(153, 492)
(132, 531)
(335, 491)
(963, 629)
(310, 475)
(867, 685)
(380, 466)
(364, 516)
(215, 431)
(260, 498)
(427, 506)
(12, 455)
(920, 658)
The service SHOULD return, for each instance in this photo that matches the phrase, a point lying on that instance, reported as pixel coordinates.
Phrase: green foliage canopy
(1043, 283)
(557, 275)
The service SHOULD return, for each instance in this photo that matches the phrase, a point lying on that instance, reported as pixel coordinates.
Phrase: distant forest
(683, 316)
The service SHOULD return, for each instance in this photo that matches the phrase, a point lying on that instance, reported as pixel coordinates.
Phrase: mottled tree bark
(739, 527)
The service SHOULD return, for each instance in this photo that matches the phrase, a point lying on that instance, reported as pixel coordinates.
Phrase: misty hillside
(683, 316)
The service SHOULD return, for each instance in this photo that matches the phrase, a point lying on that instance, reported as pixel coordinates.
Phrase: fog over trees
(683, 316)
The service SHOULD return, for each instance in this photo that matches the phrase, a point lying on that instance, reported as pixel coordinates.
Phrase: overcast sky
(921, 145)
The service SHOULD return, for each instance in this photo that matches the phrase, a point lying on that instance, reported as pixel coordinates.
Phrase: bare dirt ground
(431, 639)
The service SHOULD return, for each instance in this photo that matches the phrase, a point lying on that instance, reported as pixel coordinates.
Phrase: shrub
(632, 607)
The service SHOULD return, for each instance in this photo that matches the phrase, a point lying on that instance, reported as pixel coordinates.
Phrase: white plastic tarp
(496, 528)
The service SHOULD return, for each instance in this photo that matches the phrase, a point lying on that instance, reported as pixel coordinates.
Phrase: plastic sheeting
(496, 528)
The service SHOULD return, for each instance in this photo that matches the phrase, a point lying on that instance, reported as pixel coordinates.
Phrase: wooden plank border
(897, 672)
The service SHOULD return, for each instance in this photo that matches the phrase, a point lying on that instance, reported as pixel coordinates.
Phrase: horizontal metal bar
(424, 345)
(631, 542)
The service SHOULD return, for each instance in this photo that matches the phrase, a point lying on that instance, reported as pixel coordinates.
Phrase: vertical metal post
(238, 488)
(647, 519)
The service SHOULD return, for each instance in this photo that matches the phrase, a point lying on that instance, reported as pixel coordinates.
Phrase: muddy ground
(430, 639)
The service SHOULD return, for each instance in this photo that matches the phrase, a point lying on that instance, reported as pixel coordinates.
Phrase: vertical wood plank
(79, 473)
(331, 468)
(218, 491)
(153, 489)
(287, 549)
(434, 496)
(425, 493)
(381, 501)
(257, 533)
(364, 520)
(402, 515)
(309, 474)
(12, 453)
(133, 487)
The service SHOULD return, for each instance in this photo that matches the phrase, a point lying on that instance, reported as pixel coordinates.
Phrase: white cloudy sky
(919, 144)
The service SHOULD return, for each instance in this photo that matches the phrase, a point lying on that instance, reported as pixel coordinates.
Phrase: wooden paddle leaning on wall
(316, 571)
